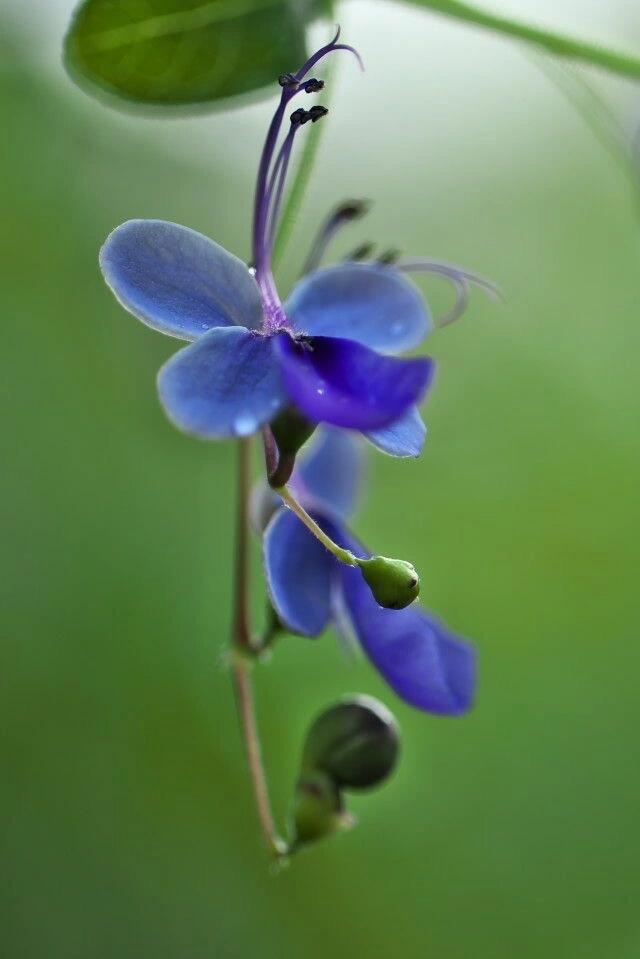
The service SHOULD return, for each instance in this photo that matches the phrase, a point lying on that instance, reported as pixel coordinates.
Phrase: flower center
(275, 319)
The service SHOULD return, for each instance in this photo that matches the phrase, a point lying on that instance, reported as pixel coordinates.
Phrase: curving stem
(242, 653)
(342, 555)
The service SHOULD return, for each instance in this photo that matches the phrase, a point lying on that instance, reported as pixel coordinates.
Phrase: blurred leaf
(181, 52)
(565, 46)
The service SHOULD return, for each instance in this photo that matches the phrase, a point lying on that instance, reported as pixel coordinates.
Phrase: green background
(127, 824)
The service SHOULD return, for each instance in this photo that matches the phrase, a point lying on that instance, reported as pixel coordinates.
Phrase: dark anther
(287, 80)
(362, 252)
(313, 85)
(299, 116)
(316, 112)
(352, 209)
(389, 257)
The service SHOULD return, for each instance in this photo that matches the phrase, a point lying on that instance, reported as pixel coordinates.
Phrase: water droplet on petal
(320, 391)
(396, 327)
(244, 424)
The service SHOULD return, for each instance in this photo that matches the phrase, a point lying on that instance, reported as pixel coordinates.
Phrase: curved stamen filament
(261, 203)
(320, 54)
(459, 278)
(278, 179)
(343, 214)
(271, 174)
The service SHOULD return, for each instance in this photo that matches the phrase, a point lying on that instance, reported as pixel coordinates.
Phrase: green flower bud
(355, 743)
(318, 810)
(290, 431)
(393, 582)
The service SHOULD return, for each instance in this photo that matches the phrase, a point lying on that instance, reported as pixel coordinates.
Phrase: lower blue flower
(326, 351)
(424, 662)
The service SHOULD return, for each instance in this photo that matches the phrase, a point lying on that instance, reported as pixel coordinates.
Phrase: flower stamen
(273, 167)
(362, 252)
(345, 213)
(459, 278)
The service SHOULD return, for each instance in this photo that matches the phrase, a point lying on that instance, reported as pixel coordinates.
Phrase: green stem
(342, 555)
(242, 650)
(599, 118)
(558, 43)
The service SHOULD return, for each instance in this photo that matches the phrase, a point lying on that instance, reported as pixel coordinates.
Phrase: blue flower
(325, 352)
(426, 665)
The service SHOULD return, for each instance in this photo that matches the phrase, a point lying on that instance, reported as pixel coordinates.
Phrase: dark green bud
(355, 743)
(393, 582)
(290, 431)
(318, 810)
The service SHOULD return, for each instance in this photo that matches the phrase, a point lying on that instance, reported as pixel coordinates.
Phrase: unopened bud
(290, 431)
(393, 582)
(318, 810)
(355, 743)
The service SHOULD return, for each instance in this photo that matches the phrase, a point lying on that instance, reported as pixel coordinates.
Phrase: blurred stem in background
(564, 46)
(242, 652)
(598, 116)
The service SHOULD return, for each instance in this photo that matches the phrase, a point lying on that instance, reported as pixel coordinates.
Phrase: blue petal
(263, 503)
(371, 304)
(298, 571)
(346, 384)
(326, 478)
(178, 281)
(422, 661)
(227, 383)
(405, 437)
(329, 475)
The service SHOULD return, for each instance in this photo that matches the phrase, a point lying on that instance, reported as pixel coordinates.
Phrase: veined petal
(405, 437)
(178, 281)
(329, 474)
(227, 383)
(298, 571)
(421, 659)
(346, 384)
(372, 304)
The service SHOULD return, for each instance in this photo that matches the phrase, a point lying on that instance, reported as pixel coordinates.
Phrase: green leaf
(183, 52)
(624, 64)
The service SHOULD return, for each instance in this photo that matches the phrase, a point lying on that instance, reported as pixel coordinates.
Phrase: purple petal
(178, 281)
(330, 474)
(405, 437)
(344, 383)
(371, 304)
(298, 571)
(227, 383)
(422, 661)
